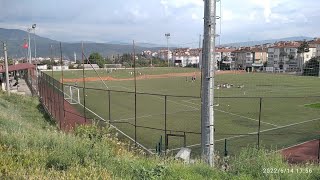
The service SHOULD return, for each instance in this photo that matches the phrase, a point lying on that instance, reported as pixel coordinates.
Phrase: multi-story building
(147, 54)
(260, 57)
(250, 58)
(284, 56)
(226, 56)
(316, 43)
(186, 56)
(164, 53)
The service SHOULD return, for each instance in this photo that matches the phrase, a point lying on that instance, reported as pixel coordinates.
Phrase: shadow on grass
(45, 115)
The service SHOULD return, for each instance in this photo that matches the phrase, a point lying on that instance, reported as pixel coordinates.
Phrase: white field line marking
(246, 117)
(194, 145)
(233, 114)
(149, 115)
(297, 145)
(267, 130)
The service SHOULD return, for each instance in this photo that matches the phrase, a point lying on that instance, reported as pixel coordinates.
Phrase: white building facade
(285, 57)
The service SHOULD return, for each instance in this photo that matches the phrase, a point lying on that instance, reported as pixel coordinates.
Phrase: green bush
(31, 148)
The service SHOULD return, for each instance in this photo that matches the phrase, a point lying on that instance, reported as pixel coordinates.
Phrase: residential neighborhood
(281, 56)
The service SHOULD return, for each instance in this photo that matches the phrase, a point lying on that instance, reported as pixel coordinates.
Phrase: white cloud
(196, 17)
(149, 19)
(181, 3)
(227, 15)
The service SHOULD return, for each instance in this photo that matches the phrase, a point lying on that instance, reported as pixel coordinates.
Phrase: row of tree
(126, 60)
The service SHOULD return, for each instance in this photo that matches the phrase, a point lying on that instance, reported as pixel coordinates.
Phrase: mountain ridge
(15, 39)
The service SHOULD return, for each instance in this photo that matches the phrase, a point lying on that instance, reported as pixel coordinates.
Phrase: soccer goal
(111, 67)
(71, 94)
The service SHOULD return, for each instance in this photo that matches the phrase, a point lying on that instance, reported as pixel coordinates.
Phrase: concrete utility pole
(7, 67)
(207, 98)
(168, 36)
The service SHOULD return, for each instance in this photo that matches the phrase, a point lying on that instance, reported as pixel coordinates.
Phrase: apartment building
(186, 56)
(164, 53)
(225, 55)
(284, 56)
(316, 43)
(250, 58)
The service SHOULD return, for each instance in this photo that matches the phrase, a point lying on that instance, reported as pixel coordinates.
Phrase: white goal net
(111, 67)
(71, 94)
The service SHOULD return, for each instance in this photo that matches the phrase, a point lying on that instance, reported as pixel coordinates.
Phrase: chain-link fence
(165, 123)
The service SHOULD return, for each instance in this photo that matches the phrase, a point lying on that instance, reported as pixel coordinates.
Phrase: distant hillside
(15, 40)
(252, 43)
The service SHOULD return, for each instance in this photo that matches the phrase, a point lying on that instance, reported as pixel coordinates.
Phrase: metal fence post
(46, 93)
(62, 86)
(54, 98)
(319, 151)
(225, 148)
(52, 95)
(59, 113)
(84, 104)
(135, 118)
(184, 139)
(259, 127)
(165, 125)
(109, 102)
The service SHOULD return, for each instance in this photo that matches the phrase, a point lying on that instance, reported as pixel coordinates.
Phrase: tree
(265, 64)
(312, 67)
(96, 58)
(10, 61)
(303, 48)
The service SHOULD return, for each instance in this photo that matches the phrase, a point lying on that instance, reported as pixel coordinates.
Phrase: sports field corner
(168, 105)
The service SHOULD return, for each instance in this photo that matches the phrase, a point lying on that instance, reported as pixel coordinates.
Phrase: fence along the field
(66, 115)
(281, 122)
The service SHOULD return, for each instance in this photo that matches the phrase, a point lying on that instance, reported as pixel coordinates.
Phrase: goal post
(111, 67)
(71, 94)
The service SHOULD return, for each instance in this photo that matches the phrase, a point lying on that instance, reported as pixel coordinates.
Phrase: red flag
(25, 45)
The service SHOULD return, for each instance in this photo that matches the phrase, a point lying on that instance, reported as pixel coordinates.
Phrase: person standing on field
(194, 77)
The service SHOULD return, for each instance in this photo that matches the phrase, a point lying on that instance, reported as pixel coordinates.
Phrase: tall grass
(32, 148)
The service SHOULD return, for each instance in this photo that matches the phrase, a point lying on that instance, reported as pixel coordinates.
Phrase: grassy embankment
(32, 148)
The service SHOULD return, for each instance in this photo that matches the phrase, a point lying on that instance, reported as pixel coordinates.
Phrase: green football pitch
(286, 116)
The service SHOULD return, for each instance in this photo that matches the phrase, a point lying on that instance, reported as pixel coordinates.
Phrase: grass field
(286, 118)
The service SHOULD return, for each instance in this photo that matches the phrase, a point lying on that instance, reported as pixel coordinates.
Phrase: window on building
(275, 56)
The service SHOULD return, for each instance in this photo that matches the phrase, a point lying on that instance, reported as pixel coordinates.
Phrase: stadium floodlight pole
(29, 48)
(207, 99)
(7, 67)
(167, 36)
(35, 46)
(34, 40)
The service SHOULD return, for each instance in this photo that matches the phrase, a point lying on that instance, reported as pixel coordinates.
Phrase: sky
(146, 21)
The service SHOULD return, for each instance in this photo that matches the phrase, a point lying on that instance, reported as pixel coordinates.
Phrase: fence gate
(176, 137)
